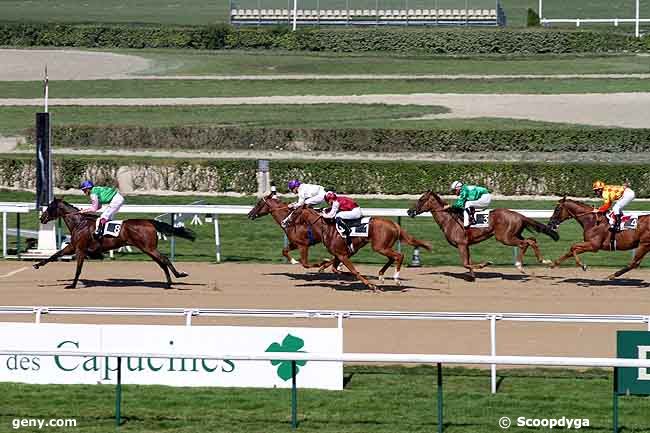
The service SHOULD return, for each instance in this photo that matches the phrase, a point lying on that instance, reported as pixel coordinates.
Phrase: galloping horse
(300, 236)
(505, 225)
(140, 233)
(382, 235)
(597, 236)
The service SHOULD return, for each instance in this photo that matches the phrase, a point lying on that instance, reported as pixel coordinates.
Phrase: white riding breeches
(317, 199)
(112, 208)
(626, 198)
(350, 214)
(482, 203)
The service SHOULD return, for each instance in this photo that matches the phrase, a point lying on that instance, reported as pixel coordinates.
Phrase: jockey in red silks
(342, 208)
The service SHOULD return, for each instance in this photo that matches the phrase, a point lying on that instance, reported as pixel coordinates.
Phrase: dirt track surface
(29, 65)
(627, 110)
(498, 290)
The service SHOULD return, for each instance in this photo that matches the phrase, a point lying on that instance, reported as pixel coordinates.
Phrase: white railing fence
(339, 315)
(293, 357)
(579, 21)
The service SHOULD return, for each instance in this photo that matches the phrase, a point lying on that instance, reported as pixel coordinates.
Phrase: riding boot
(346, 231)
(614, 228)
(472, 219)
(100, 229)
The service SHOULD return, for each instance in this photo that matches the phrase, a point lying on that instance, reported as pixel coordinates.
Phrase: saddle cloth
(482, 219)
(628, 222)
(359, 227)
(113, 228)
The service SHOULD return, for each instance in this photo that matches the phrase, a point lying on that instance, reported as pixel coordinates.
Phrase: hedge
(386, 177)
(352, 139)
(424, 40)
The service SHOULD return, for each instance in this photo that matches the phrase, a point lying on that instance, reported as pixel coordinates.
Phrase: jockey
(622, 195)
(99, 196)
(470, 198)
(308, 194)
(342, 208)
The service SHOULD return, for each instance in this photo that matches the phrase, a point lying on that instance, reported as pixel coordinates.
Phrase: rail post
(118, 394)
(615, 401)
(439, 381)
(173, 238)
(217, 237)
(18, 235)
(294, 397)
(4, 234)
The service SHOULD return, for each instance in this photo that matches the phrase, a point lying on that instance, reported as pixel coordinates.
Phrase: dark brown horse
(382, 235)
(505, 225)
(597, 236)
(300, 236)
(140, 233)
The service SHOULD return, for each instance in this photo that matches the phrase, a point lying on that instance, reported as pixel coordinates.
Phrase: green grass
(249, 88)
(203, 12)
(14, 120)
(184, 62)
(376, 399)
(262, 240)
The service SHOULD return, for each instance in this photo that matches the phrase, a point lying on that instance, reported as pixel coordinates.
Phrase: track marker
(9, 274)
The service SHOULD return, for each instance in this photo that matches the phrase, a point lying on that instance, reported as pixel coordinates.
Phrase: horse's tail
(169, 230)
(405, 237)
(541, 228)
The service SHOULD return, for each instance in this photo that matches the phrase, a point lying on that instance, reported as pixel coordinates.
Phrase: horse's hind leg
(532, 242)
(286, 252)
(161, 261)
(641, 251)
(393, 256)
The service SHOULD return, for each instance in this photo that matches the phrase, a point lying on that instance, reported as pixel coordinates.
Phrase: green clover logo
(289, 344)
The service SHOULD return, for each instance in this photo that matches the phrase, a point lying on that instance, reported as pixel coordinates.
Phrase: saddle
(358, 227)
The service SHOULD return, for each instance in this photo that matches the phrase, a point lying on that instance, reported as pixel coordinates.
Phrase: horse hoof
(36, 266)
(611, 277)
(70, 286)
(381, 278)
(584, 267)
(398, 282)
(182, 275)
(294, 261)
(547, 262)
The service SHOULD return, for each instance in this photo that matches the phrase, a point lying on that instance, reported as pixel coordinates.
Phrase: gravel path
(612, 109)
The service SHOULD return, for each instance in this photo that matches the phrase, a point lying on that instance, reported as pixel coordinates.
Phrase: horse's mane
(576, 202)
(70, 208)
(437, 198)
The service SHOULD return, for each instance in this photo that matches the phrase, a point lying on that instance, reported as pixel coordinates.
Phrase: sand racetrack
(139, 284)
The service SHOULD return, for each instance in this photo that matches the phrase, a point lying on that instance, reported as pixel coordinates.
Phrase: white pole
(46, 85)
(295, 12)
(217, 240)
(4, 234)
(493, 352)
(636, 31)
(539, 10)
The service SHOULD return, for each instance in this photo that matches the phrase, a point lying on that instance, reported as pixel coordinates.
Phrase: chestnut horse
(140, 233)
(597, 236)
(382, 235)
(300, 236)
(505, 225)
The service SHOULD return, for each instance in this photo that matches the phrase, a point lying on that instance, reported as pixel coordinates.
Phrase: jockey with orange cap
(342, 208)
(621, 195)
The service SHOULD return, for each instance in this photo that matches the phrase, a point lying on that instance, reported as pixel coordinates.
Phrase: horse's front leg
(81, 256)
(69, 249)
(286, 252)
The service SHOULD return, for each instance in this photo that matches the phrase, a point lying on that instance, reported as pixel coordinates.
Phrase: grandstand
(363, 13)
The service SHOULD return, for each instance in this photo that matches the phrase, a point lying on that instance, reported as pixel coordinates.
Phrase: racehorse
(300, 236)
(140, 233)
(597, 236)
(505, 225)
(382, 235)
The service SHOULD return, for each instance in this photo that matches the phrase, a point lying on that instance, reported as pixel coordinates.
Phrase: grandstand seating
(458, 17)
